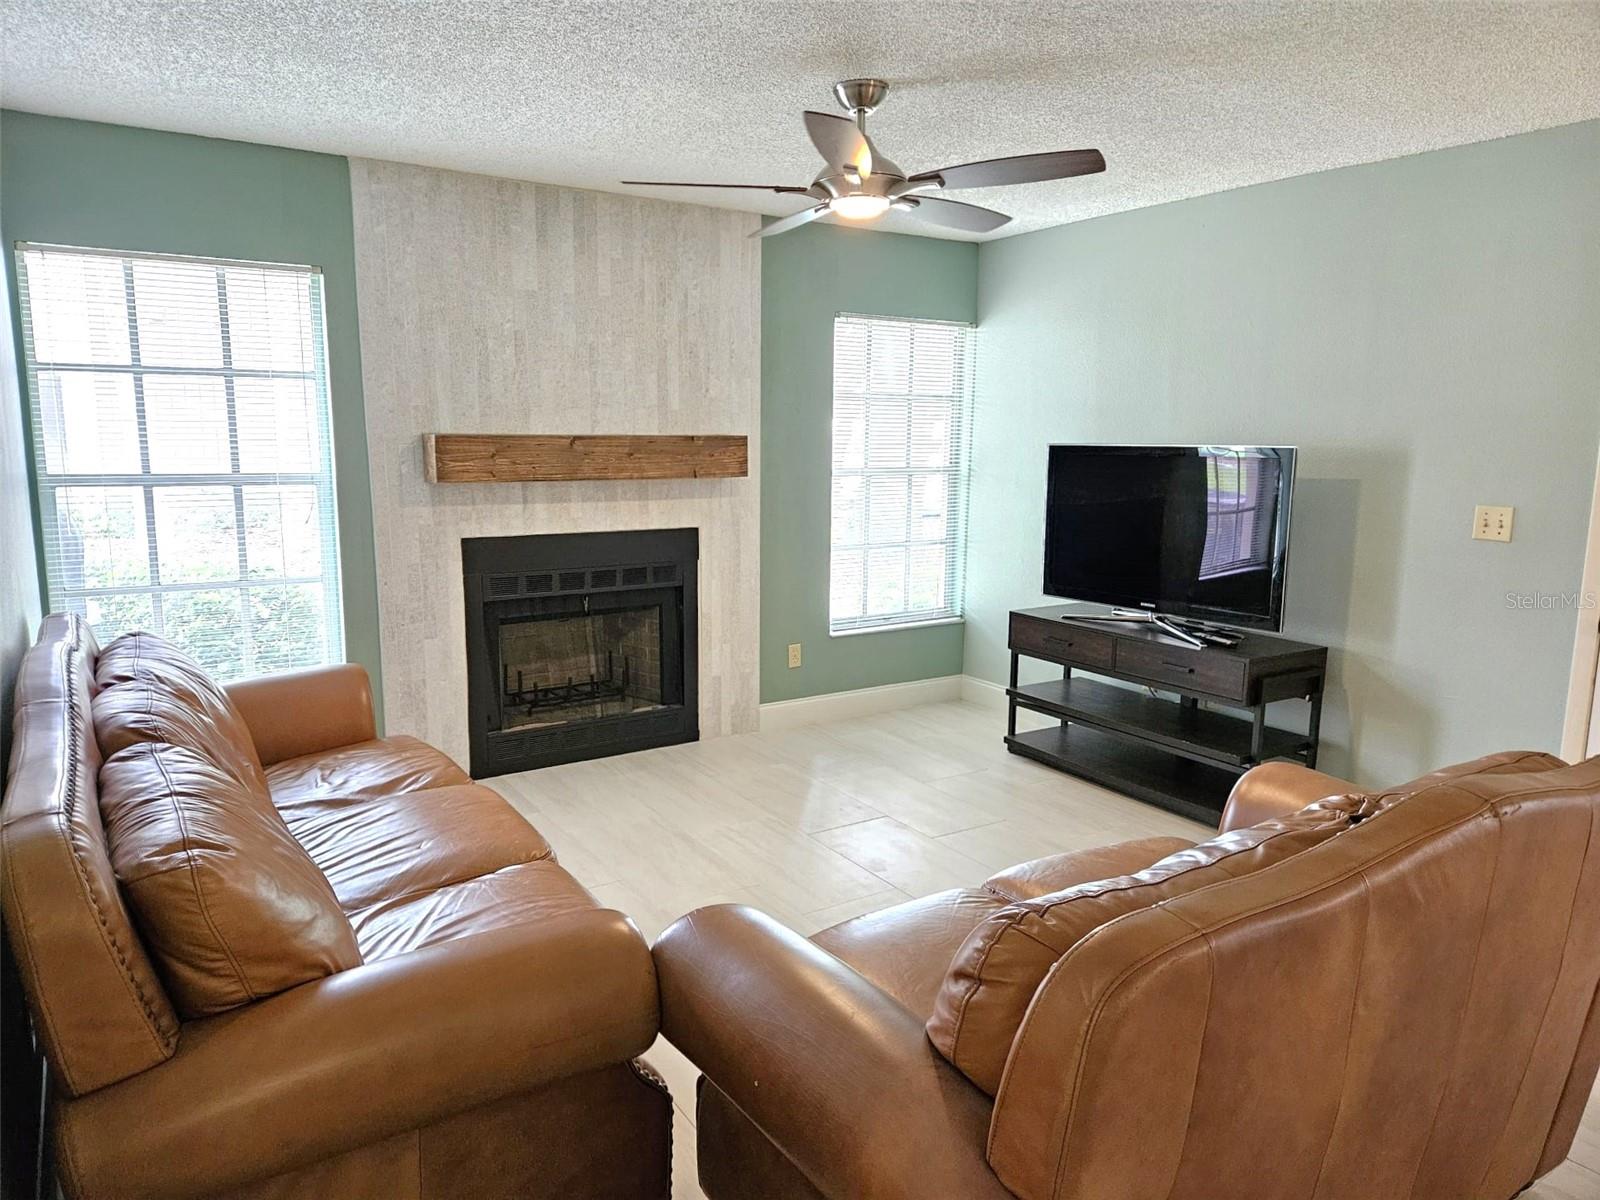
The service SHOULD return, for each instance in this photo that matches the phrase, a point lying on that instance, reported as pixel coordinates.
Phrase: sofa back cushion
(997, 970)
(231, 907)
(150, 691)
(98, 1006)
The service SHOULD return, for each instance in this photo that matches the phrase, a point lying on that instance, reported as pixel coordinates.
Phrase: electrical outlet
(1492, 522)
(794, 655)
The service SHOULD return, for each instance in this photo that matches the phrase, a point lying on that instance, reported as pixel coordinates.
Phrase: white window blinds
(902, 394)
(1241, 493)
(183, 452)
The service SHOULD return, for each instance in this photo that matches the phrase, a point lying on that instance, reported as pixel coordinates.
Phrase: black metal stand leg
(1314, 727)
(1258, 731)
(1011, 702)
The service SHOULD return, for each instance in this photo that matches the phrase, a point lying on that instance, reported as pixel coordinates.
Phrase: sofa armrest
(306, 712)
(366, 1054)
(839, 1076)
(1276, 789)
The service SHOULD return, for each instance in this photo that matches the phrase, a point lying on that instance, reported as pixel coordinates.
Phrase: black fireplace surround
(579, 645)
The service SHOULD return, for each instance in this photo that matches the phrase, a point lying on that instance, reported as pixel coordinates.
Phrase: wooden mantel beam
(530, 458)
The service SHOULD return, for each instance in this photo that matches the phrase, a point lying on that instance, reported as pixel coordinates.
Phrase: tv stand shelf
(1164, 749)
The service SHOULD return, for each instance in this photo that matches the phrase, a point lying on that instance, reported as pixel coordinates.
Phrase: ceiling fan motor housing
(879, 183)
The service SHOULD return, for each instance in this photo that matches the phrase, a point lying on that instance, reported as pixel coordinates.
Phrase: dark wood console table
(1168, 751)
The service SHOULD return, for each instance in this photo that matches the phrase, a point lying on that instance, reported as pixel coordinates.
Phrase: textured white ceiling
(1184, 98)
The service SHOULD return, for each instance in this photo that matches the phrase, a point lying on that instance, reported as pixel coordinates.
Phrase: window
(901, 398)
(183, 452)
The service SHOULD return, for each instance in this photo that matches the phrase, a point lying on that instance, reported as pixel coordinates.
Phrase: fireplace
(579, 645)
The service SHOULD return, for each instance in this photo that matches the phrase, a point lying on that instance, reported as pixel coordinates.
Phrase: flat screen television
(1186, 531)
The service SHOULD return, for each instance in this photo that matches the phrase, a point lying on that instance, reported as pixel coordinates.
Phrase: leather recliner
(477, 1041)
(1370, 997)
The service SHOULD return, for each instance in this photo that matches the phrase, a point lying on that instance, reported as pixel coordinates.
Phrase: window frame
(958, 477)
(46, 483)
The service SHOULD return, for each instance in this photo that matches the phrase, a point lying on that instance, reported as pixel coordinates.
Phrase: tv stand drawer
(1187, 670)
(1063, 642)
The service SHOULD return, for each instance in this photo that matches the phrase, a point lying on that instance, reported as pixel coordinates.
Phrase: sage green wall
(807, 278)
(85, 184)
(19, 576)
(1426, 330)
(20, 1075)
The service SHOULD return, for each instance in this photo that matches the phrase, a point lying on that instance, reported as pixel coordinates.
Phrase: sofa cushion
(1055, 872)
(906, 949)
(150, 691)
(375, 848)
(231, 908)
(993, 976)
(524, 894)
(379, 767)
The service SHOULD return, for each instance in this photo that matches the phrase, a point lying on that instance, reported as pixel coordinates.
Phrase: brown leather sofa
(1345, 996)
(269, 954)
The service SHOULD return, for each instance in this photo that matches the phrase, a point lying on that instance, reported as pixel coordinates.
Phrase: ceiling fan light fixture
(859, 208)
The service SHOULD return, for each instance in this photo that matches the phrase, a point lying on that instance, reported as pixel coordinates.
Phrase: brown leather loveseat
(269, 954)
(1344, 996)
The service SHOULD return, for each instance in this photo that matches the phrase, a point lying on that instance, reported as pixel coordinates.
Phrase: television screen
(1191, 531)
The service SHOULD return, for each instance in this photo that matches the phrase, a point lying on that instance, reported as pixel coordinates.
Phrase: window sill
(897, 627)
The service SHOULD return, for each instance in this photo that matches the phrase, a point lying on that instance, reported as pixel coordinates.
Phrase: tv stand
(1165, 739)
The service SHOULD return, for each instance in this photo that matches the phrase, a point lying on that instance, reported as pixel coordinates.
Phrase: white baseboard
(993, 697)
(981, 691)
(840, 706)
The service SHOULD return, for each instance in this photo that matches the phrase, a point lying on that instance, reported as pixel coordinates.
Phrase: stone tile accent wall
(495, 306)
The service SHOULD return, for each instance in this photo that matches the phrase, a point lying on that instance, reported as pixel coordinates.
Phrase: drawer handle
(1177, 666)
(1068, 642)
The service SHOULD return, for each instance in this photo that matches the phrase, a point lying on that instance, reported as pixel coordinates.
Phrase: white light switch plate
(794, 655)
(1492, 522)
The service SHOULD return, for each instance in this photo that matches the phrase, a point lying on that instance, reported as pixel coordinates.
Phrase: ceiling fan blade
(839, 141)
(803, 217)
(759, 187)
(953, 214)
(1023, 168)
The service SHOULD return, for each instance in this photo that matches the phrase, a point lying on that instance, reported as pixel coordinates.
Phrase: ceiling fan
(860, 184)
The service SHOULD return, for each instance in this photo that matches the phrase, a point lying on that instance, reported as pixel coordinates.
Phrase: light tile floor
(822, 823)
